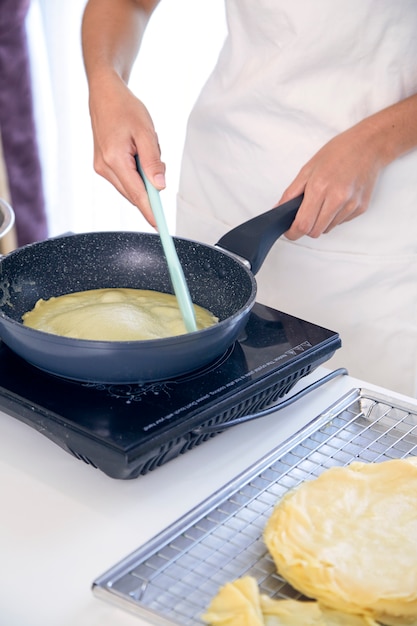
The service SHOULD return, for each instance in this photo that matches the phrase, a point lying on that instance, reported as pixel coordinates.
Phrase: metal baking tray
(171, 580)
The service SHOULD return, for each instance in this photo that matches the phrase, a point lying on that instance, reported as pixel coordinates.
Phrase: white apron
(292, 75)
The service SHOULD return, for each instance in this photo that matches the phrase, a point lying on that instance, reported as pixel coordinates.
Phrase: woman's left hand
(337, 183)
(339, 179)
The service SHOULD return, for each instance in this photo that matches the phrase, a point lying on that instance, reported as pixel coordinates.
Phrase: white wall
(180, 48)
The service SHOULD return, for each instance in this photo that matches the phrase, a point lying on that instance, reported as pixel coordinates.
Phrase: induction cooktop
(128, 430)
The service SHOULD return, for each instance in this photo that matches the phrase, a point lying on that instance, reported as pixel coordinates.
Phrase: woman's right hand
(122, 128)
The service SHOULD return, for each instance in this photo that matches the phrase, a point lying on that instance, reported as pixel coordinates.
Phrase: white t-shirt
(290, 76)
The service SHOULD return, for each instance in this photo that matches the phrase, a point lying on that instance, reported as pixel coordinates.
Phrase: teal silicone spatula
(174, 266)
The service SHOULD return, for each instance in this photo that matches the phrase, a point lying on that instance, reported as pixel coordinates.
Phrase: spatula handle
(174, 266)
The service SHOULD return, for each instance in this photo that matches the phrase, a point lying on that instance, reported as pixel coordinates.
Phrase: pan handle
(253, 239)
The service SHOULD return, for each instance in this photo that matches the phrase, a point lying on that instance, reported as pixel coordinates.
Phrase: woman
(315, 98)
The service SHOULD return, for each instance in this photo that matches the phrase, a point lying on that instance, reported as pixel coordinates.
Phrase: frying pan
(217, 281)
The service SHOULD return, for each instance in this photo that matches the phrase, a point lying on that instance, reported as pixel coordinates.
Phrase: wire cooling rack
(172, 578)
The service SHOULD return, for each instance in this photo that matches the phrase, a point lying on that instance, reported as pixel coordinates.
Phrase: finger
(305, 220)
(294, 190)
(131, 186)
(149, 153)
(345, 216)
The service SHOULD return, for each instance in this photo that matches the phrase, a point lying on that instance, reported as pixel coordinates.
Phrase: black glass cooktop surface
(128, 430)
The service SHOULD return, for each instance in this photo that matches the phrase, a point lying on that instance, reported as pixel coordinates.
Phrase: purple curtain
(17, 125)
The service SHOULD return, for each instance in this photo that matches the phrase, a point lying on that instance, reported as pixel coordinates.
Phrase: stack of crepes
(348, 541)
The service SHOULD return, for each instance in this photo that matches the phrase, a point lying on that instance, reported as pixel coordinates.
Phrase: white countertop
(64, 523)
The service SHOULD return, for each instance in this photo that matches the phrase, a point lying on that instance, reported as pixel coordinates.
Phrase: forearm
(111, 35)
(112, 31)
(392, 131)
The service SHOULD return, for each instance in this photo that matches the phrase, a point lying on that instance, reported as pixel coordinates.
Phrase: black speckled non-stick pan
(217, 281)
